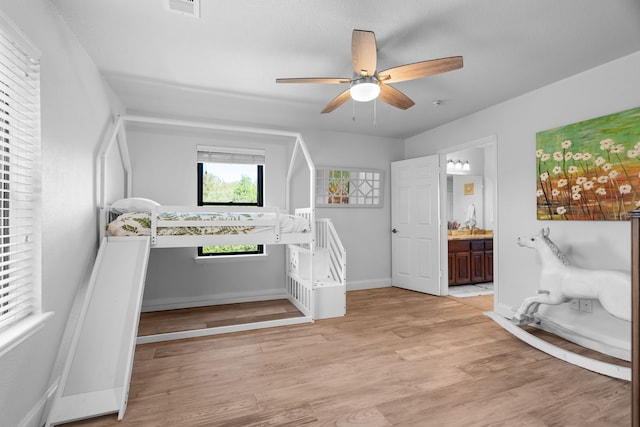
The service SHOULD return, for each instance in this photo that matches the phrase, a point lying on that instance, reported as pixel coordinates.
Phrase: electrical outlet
(586, 305)
(574, 304)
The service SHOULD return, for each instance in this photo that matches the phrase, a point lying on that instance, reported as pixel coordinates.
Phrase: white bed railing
(273, 220)
(300, 295)
(305, 213)
(308, 214)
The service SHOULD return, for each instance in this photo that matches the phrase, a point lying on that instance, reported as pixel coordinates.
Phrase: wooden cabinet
(459, 262)
(488, 260)
(470, 261)
(452, 268)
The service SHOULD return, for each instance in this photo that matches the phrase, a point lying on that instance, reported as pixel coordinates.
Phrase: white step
(330, 299)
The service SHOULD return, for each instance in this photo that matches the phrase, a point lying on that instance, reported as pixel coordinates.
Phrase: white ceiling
(224, 65)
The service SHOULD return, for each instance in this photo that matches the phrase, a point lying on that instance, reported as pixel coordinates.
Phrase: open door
(415, 240)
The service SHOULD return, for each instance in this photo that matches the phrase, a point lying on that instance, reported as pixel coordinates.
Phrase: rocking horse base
(525, 320)
(604, 368)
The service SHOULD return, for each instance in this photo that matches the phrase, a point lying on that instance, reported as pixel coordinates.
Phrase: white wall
(76, 110)
(606, 89)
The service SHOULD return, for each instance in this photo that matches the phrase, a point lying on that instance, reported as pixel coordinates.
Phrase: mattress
(139, 223)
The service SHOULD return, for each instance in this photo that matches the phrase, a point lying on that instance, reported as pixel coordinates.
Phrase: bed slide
(95, 378)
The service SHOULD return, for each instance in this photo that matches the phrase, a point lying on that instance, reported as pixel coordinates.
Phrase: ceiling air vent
(184, 7)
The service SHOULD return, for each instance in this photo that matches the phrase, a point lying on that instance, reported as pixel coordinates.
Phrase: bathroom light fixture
(458, 167)
(364, 89)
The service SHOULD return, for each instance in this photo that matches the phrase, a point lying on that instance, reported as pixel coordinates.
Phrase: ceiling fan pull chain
(353, 110)
(375, 111)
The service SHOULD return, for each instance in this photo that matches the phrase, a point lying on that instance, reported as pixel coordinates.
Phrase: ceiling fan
(367, 83)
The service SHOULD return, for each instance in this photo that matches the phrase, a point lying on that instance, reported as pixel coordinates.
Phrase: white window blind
(19, 180)
(230, 155)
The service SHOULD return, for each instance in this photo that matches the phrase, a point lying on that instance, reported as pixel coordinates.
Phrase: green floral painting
(590, 170)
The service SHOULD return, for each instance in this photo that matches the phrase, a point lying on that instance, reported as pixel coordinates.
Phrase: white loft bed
(97, 368)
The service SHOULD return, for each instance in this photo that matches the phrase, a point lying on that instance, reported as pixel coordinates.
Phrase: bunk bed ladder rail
(307, 213)
(327, 238)
(316, 278)
(298, 286)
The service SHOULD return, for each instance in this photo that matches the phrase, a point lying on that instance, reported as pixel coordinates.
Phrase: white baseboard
(358, 285)
(213, 299)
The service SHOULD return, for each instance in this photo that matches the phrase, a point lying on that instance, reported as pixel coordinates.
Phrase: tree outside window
(230, 184)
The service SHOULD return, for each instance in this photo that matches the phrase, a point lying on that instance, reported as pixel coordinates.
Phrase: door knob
(395, 230)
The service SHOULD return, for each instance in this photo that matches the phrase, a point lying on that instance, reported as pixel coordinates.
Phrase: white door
(415, 239)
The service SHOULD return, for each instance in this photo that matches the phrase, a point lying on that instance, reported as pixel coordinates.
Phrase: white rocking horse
(560, 282)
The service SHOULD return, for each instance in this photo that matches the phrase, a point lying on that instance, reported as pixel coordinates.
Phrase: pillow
(134, 204)
(130, 224)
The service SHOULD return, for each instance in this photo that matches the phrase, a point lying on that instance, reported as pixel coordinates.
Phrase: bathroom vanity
(470, 259)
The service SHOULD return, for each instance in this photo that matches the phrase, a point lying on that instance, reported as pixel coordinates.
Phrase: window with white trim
(230, 177)
(19, 180)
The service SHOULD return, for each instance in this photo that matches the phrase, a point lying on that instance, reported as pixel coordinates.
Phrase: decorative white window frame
(349, 187)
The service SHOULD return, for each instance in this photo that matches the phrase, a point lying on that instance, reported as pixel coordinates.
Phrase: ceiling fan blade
(420, 69)
(394, 97)
(337, 101)
(364, 52)
(326, 80)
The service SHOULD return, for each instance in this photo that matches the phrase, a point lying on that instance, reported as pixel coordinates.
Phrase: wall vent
(184, 7)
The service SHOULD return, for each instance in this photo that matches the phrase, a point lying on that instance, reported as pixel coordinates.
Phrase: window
(19, 185)
(230, 177)
(344, 187)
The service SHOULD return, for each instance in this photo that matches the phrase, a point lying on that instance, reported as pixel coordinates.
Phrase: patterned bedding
(139, 224)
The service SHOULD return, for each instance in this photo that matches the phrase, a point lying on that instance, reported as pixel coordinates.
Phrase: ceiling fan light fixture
(364, 89)
(367, 84)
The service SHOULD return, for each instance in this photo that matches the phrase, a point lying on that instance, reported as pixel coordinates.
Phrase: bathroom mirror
(465, 201)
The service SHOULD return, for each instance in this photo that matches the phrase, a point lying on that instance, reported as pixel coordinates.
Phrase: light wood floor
(398, 358)
(484, 302)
